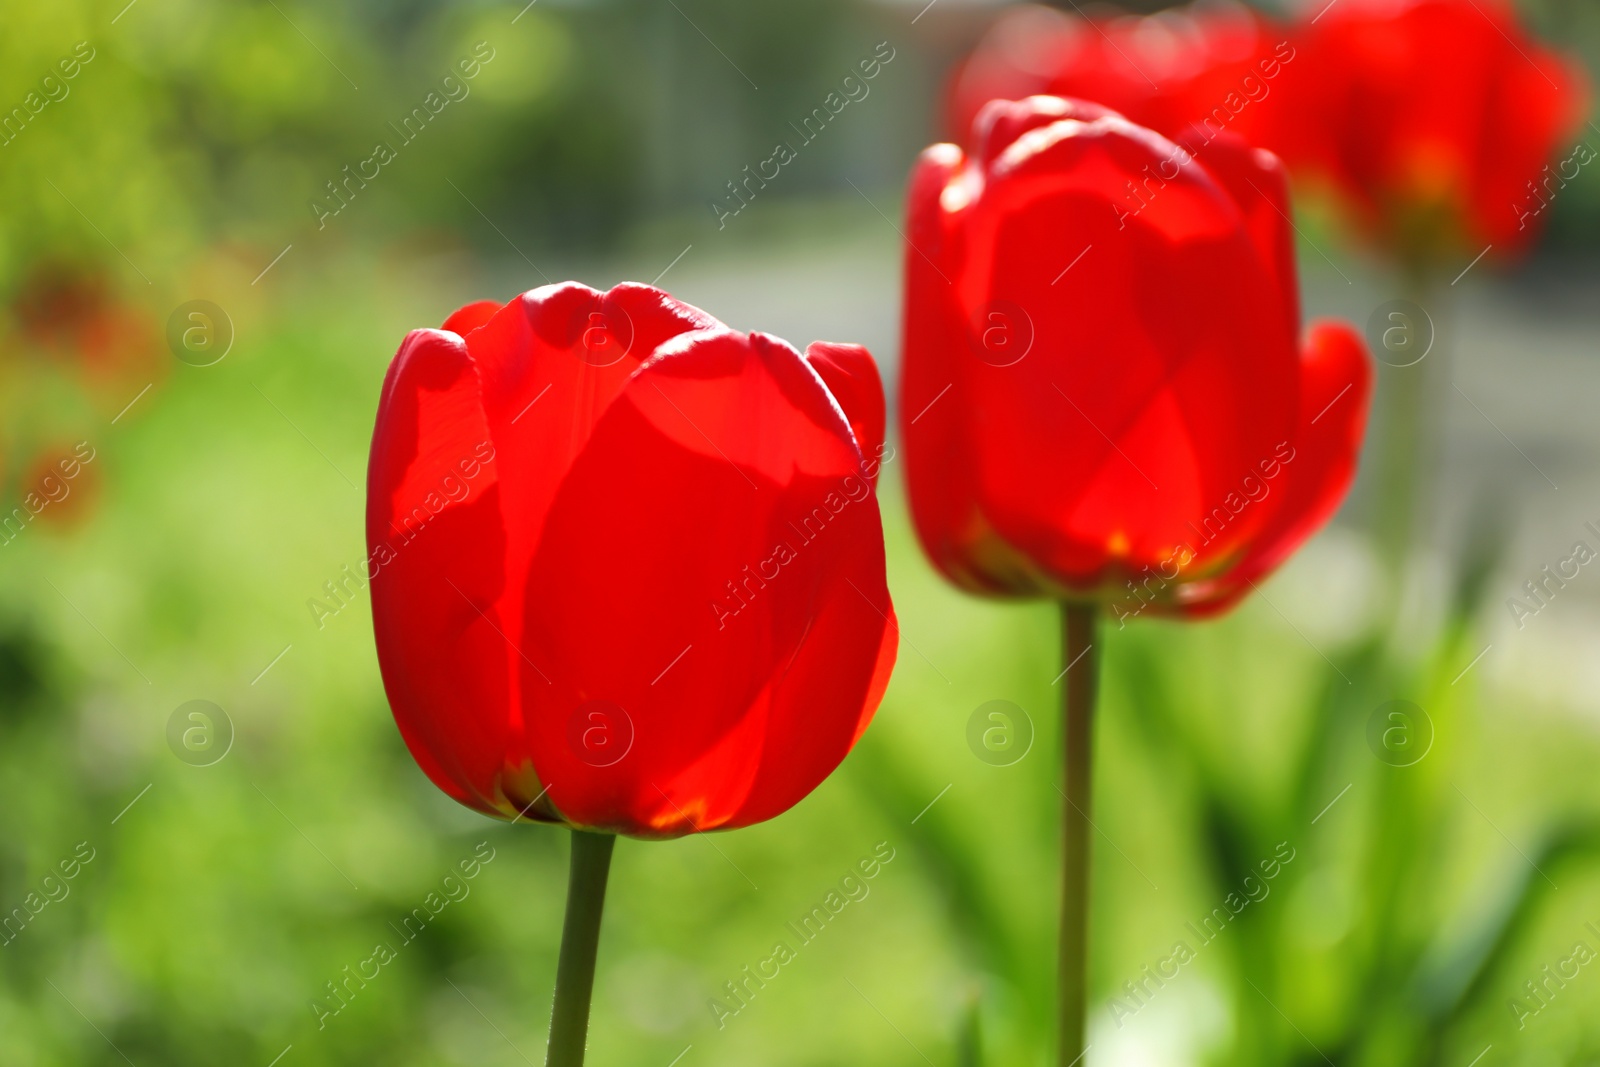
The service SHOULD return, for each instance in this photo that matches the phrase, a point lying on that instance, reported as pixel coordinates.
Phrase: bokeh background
(201, 546)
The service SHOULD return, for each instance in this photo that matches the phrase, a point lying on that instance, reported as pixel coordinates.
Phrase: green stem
(1400, 406)
(580, 939)
(1406, 429)
(969, 1039)
(1078, 655)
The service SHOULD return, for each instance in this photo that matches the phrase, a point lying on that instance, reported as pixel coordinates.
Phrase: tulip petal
(934, 394)
(1259, 185)
(1335, 396)
(1536, 105)
(1165, 369)
(465, 320)
(1002, 122)
(705, 569)
(552, 362)
(851, 375)
(434, 537)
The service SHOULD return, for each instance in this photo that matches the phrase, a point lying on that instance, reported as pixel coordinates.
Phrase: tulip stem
(1406, 434)
(580, 939)
(1078, 698)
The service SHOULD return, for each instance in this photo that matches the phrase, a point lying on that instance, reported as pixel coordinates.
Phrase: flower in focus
(1437, 121)
(1107, 393)
(627, 564)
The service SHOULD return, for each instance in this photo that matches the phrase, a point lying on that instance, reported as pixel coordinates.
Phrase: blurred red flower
(1437, 122)
(628, 566)
(1208, 62)
(75, 314)
(1434, 119)
(61, 486)
(1106, 393)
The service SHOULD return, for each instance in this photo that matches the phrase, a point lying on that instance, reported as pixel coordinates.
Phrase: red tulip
(629, 563)
(1435, 119)
(1106, 392)
(1439, 122)
(1217, 63)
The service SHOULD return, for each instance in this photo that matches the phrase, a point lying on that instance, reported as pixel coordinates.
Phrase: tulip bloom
(627, 573)
(1438, 123)
(1109, 403)
(629, 562)
(1216, 65)
(1111, 399)
(1434, 120)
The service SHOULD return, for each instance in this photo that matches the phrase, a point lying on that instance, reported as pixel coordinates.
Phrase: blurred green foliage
(205, 121)
(221, 900)
(220, 904)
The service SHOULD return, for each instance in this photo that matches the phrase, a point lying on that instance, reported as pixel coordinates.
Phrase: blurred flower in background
(1212, 60)
(1431, 120)
(77, 347)
(1436, 122)
(76, 317)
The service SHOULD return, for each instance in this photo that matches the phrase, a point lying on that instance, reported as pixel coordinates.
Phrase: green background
(220, 900)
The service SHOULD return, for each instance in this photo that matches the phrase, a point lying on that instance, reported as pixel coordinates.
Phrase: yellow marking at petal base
(1117, 544)
(521, 795)
(679, 819)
